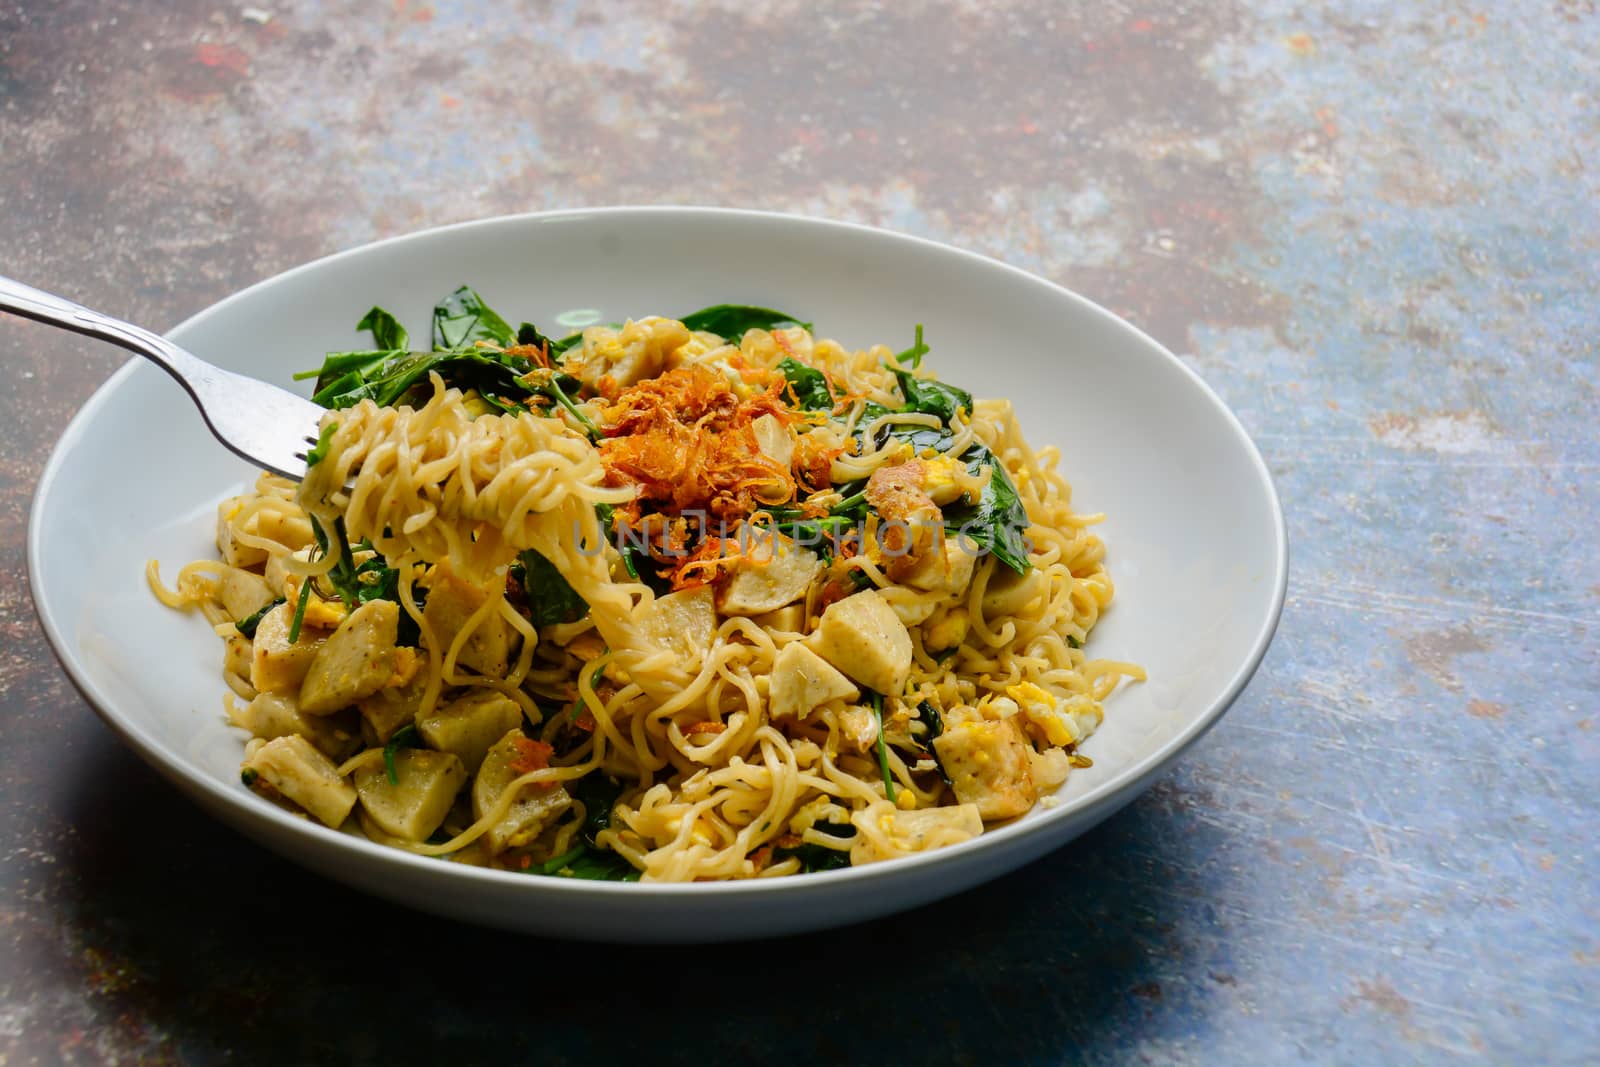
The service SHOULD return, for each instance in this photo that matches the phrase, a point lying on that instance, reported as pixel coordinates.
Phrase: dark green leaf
(808, 385)
(731, 321)
(566, 344)
(551, 598)
(998, 522)
(462, 319)
(248, 624)
(815, 857)
(601, 865)
(386, 378)
(931, 397)
(386, 330)
(598, 793)
(529, 334)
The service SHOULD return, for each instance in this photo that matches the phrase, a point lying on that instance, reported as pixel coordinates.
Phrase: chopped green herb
(914, 354)
(249, 775)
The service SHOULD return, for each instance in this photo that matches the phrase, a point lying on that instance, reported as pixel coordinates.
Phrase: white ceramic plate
(1195, 534)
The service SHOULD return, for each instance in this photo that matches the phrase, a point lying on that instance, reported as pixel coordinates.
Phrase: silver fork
(266, 425)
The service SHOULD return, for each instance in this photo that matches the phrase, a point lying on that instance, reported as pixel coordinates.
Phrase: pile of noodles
(711, 778)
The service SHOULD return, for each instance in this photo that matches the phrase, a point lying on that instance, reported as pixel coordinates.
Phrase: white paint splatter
(1449, 433)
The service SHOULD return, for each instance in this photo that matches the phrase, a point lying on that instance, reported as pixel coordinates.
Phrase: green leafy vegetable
(248, 624)
(529, 334)
(405, 737)
(555, 386)
(998, 522)
(587, 860)
(597, 865)
(320, 451)
(914, 354)
(386, 330)
(883, 747)
(462, 319)
(808, 385)
(931, 397)
(732, 321)
(564, 345)
(386, 378)
(814, 857)
(551, 598)
(598, 793)
(249, 775)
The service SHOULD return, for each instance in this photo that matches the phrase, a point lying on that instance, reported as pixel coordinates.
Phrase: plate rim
(1104, 798)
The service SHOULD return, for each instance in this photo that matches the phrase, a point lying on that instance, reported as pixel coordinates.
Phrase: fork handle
(53, 310)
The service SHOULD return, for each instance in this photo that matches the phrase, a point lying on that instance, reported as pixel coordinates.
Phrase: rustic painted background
(1372, 227)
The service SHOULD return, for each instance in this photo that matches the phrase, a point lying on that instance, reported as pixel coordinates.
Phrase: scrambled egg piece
(1062, 722)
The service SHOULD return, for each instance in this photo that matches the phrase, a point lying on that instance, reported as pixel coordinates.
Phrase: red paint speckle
(223, 57)
(1141, 26)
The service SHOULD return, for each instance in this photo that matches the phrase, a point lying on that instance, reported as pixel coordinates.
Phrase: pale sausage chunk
(535, 807)
(451, 602)
(273, 715)
(233, 552)
(355, 662)
(778, 573)
(683, 622)
(946, 571)
(237, 655)
(278, 666)
(801, 680)
(416, 802)
(469, 725)
(862, 636)
(242, 593)
(391, 708)
(988, 764)
(293, 767)
(1008, 592)
(791, 618)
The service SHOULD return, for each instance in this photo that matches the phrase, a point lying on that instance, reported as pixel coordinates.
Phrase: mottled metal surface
(1372, 229)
